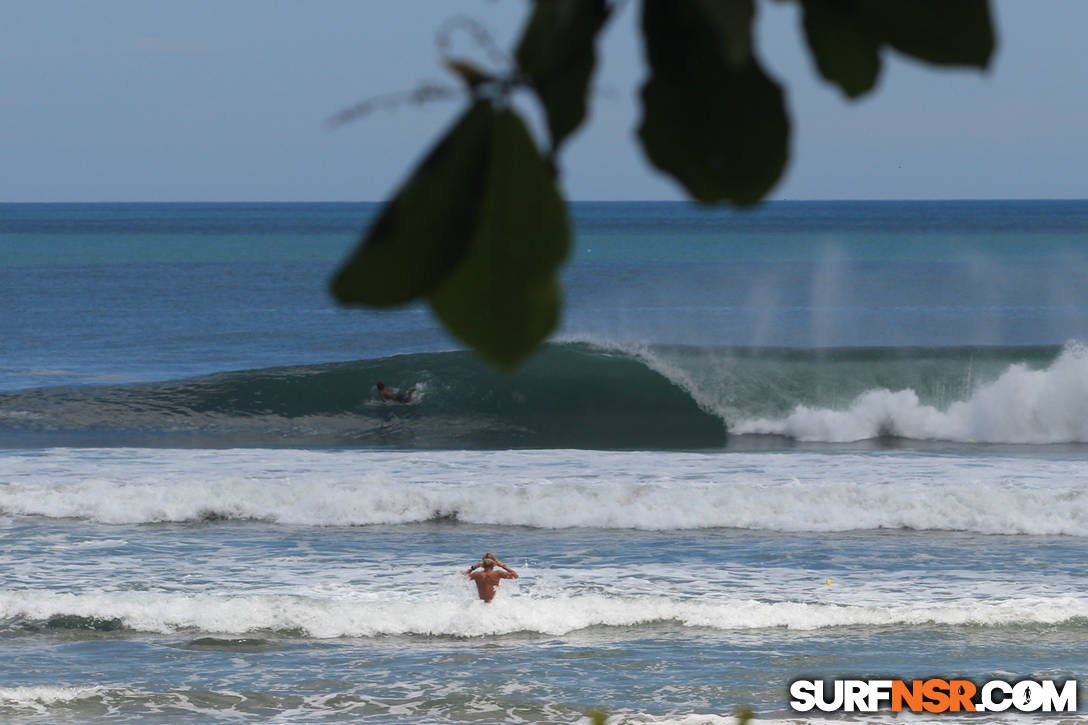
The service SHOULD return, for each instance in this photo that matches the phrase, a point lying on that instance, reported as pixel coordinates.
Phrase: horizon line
(569, 201)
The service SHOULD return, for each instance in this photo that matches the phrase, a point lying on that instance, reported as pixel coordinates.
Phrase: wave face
(567, 396)
(589, 395)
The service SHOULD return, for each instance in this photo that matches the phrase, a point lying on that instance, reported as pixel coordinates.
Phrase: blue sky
(226, 100)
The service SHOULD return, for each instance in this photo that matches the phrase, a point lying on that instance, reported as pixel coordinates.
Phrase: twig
(424, 93)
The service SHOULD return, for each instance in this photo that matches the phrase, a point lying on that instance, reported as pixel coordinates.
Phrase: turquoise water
(207, 515)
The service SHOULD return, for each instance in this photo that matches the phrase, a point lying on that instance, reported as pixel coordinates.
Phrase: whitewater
(311, 617)
(337, 572)
(814, 492)
(1022, 405)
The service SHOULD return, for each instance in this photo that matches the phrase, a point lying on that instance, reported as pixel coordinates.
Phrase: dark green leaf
(845, 36)
(423, 232)
(480, 228)
(845, 52)
(939, 31)
(711, 116)
(557, 55)
(503, 299)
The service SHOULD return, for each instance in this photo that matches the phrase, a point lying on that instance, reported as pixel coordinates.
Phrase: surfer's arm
(510, 573)
(472, 568)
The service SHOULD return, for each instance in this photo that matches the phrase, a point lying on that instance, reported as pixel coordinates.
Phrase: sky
(227, 100)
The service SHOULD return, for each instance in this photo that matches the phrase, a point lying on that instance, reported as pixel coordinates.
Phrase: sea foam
(459, 615)
(555, 489)
(1022, 406)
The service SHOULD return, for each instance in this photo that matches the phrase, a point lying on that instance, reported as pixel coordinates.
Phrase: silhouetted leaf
(845, 52)
(711, 116)
(424, 231)
(939, 31)
(479, 227)
(845, 36)
(503, 299)
(557, 54)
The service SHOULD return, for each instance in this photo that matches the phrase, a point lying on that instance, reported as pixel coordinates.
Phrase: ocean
(810, 440)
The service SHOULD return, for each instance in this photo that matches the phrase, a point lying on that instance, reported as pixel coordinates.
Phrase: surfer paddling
(489, 578)
(400, 396)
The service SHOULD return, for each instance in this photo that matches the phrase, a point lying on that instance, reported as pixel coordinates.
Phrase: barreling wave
(568, 396)
(459, 614)
(583, 395)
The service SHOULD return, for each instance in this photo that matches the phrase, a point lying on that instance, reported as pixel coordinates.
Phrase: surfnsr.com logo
(934, 695)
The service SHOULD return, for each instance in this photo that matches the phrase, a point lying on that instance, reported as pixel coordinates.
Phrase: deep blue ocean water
(207, 515)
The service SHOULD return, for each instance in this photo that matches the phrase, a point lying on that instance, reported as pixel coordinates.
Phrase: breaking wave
(583, 395)
(460, 615)
(554, 489)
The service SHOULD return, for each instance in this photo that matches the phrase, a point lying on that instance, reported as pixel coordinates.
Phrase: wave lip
(460, 615)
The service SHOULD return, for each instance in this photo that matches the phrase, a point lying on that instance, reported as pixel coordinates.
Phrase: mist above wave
(1023, 405)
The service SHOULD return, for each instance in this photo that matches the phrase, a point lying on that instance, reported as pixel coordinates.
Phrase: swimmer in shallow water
(488, 579)
(400, 396)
